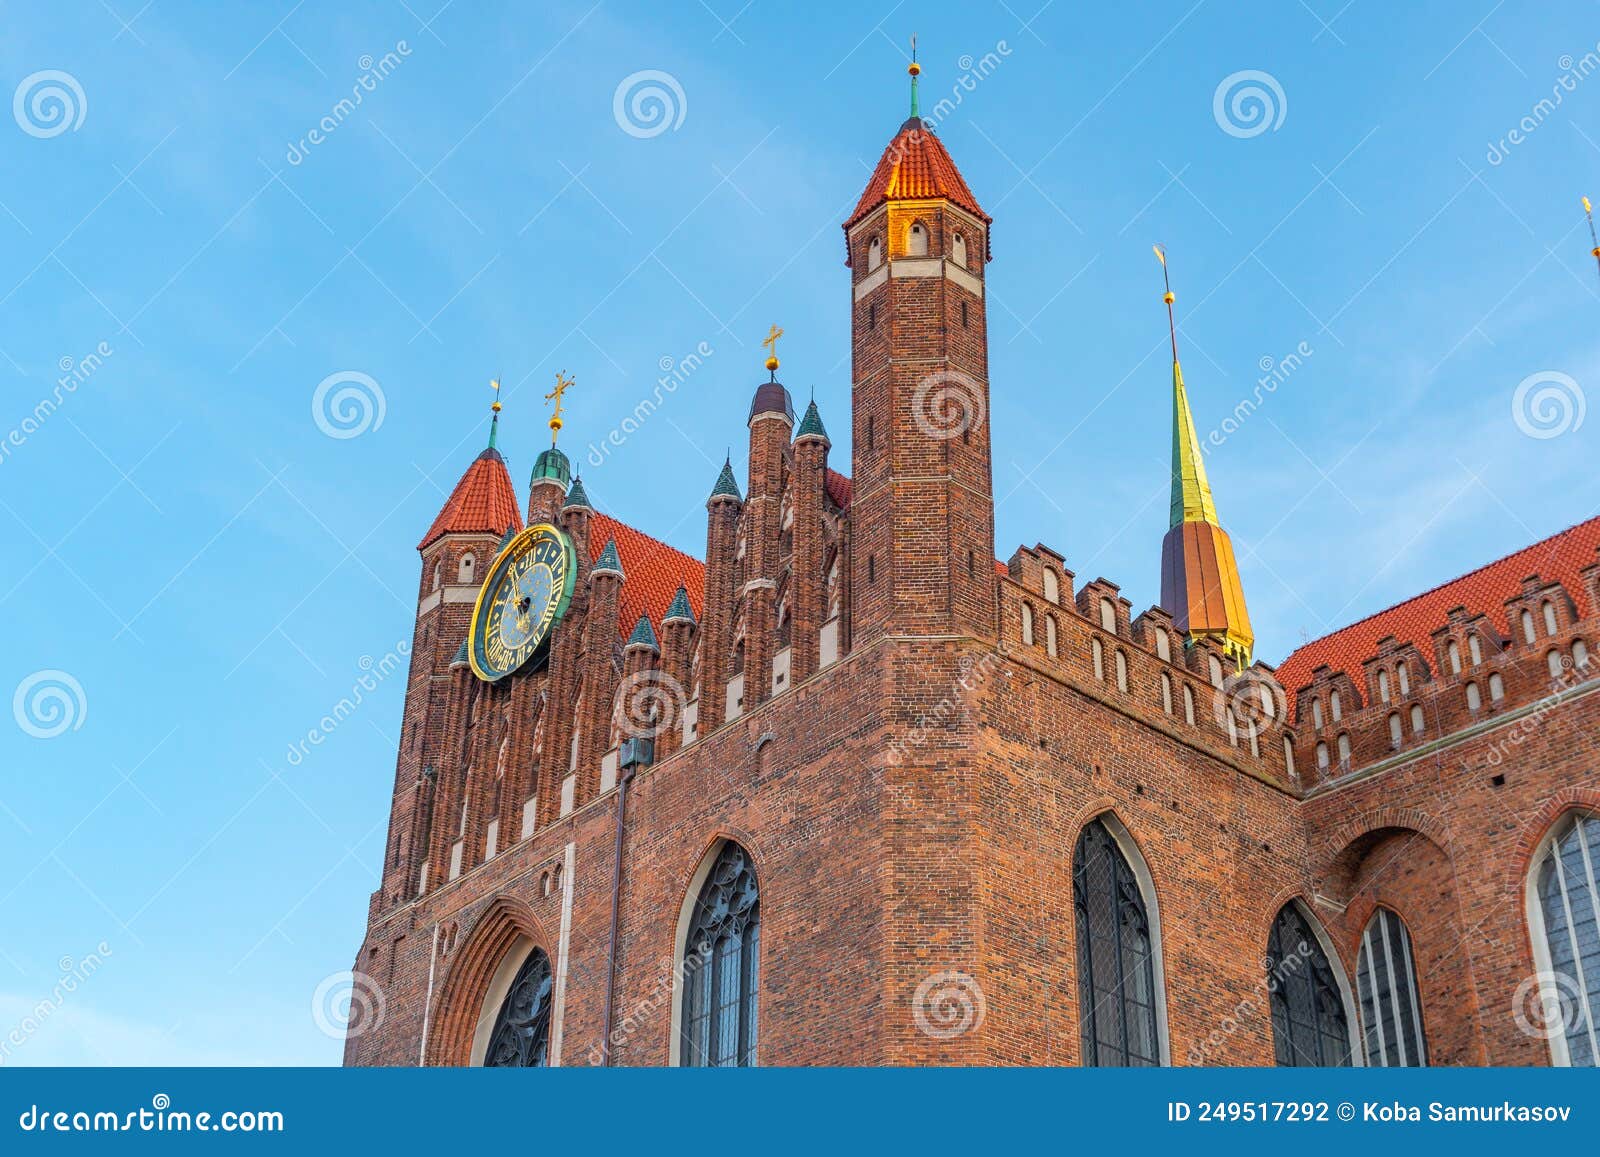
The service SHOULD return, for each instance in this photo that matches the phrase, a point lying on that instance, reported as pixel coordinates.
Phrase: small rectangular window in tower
(872, 316)
(963, 315)
(872, 568)
(871, 431)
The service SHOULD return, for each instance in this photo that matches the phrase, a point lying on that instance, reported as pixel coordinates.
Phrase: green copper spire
(577, 497)
(914, 70)
(608, 562)
(811, 424)
(727, 486)
(461, 655)
(643, 635)
(679, 610)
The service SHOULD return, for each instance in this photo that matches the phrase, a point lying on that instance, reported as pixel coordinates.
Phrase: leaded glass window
(1309, 1022)
(1386, 980)
(1116, 955)
(1567, 876)
(721, 965)
(521, 1036)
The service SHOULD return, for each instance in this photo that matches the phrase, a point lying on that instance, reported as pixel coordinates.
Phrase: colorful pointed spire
(461, 654)
(727, 486)
(679, 611)
(577, 497)
(1200, 585)
(609, 561)
(811, 424)
(644, 635)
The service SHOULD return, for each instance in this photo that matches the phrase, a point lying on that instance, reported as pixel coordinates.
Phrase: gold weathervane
(563, 384)
(771, 342)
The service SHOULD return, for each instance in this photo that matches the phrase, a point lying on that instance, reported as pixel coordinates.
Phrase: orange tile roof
(1558, 558)
(915, 167)
(652, 572)
(483, 502)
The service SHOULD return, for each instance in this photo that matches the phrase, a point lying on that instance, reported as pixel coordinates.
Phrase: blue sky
(214, 572)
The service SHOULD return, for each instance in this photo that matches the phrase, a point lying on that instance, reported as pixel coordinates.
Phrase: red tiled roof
(915, 167)
(483, 502)
(652, 572)
(1558, 558)
(838, 488)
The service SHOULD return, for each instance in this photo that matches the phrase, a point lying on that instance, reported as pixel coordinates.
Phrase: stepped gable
(1559, 559)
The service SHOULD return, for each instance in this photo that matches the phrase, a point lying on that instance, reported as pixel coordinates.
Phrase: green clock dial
(522, 599)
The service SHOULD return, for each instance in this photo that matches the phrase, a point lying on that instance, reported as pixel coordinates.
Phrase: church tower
(922, 507)
(456, 553)
(1200, 585)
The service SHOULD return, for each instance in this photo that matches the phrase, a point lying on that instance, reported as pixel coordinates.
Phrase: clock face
(522, 599)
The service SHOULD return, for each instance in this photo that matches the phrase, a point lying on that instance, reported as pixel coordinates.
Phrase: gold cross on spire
(563, 384)
(771, 342)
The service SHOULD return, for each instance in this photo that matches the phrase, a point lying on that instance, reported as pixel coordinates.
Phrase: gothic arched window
(917, 240)
(1387, 982)
(721, 965)
(1117, 991)
(1564, 912)
(1309, 1022)
(521, 1036)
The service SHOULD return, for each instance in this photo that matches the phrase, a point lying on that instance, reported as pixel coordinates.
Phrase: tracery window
(1309, 1022)
(1566, 898)
(721, 965)
(521, 1036)
(1117, 992)
(1387, 982)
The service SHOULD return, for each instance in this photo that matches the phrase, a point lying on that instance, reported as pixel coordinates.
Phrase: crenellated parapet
(1140, 667)
(1472, 672)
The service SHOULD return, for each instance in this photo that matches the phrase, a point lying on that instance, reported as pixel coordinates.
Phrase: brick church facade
(851, 791)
